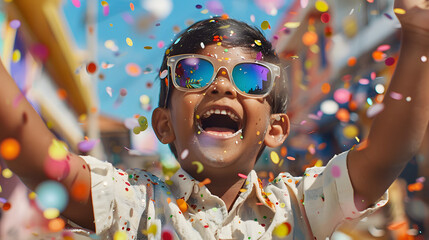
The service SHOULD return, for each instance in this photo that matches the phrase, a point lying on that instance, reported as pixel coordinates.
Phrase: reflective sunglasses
(194, 72)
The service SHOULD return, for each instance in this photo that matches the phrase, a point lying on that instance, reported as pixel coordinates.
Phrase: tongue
(217, 130)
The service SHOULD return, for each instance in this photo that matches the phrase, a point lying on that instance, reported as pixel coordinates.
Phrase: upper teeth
(208, 113)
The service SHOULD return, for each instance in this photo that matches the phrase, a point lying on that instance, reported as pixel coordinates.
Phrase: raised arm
(21, 122)
(397, 132)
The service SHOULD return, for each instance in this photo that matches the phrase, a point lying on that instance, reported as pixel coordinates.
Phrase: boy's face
(218, 126)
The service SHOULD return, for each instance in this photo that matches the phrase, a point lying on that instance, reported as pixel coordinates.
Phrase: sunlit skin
(222, 157)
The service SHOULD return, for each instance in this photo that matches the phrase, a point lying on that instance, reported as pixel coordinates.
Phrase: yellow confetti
(265, 25)
(7, 173)
(16, 56)
(151, 230)
(199, 165)
(319, 163)
(120, 235)
(104, 4)
(399, 11)
(282, 230)
(51, 213)
(292, 24)
(129, 42)
(357, 139)
(322, 6)
(274, 157)
(350, 131)
(243, 190)
(205, 11)
(258, 42)
(58, 150)
(32, 195)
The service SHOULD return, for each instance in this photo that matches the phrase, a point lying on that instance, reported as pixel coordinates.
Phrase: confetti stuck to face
(129, 41)
(51, 194)
(274, 157)
(199, 165)
(184, 154)
(10, 149)
(76, 3)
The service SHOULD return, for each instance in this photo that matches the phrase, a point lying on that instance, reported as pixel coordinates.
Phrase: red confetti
(91, 68)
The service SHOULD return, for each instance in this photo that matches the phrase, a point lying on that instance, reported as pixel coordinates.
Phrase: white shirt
(144, 207)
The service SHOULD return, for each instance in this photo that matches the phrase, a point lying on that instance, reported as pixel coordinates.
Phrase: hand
(416, 16)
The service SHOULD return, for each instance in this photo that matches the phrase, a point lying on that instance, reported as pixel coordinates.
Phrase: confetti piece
(388, 16)
(144, 99)
(163, 74)
(51, 213)
(199, 165)
(87, 145)
(342, 95)
(10, 149)
(252, 18)
(91, 68)
(343, 115)
(198, 6)
(147, 47)
(160, 44)
(7, 173)
(76, 3)
(80, 191)
(329, 107)
(204, 182)
(133, 69)
(326, 88)
(397, 225)
(183, 206)
(15, 24)
(123, 92)
(109, 91)
(424, 59)
(399, 11)
(283, 151)
(325, 17)
(106, 10)
(351, 61)
(395, 95)
(383, 48)
(167, 234)
(336, 171)
(58, 150)
(389, 61)
(258, 42)
(104, 3)
(120, 235)
(56, 225)
(132, 6)
(304, 3)
(374, 110)
(265, 25)
(290, 158)
(129, 41)
(242, 176)
(215, 7)
(322, 6)
(415, 187)
(184, 154)
(309, 38)
(56, 170)
(282, 230)
(350, 131)
(274, 157)
(51, 194)
(243, 190)
(292, 24)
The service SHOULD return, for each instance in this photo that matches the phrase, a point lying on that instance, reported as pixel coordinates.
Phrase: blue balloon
(51, 194)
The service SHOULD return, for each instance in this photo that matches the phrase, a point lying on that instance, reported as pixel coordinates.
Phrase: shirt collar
(183, 185)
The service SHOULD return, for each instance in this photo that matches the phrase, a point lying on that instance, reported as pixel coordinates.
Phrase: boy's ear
(162, 126)
(277, 131)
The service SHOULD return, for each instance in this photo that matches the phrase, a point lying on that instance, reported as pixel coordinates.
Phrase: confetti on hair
(265, 25)
(259, 56)
(258, 42)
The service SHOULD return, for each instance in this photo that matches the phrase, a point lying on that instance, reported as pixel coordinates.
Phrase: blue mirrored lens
(252, 78)
(193, 73)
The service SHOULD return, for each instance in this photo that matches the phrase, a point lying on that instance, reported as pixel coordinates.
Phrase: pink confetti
(76, 3)
(342, 95)
(215, 7)
(421, 179)
(163, 74)
(383, 48)
(374, 110)
(336, 171)
(290, 158)
(396, 96)
(364, 81)
(259, 56)
(373, 75)
(242, 175)
(106, 10)
(304, 3)
(160, 44)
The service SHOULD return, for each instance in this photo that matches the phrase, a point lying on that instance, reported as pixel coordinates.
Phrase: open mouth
(220, 122)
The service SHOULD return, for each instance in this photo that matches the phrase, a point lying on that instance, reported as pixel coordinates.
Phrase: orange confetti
(283, 151)
(183, 206)
(62, 94)
(132, 6)
(6, 206)
(378, 56)
(352, 61)
(56, 225)
(326, 88)
(415, 187)
(309, 38)
(343, 115)
(168, 200)
(80, 191)
(290, 158)
(225, 16)
(204, 182)
(10, 148)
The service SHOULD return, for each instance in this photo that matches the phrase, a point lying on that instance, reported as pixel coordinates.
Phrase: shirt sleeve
(118, 201)
(328, 198)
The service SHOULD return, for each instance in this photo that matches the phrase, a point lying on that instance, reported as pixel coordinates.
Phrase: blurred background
(90, 68)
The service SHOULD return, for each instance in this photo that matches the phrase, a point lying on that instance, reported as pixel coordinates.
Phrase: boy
(220, 105)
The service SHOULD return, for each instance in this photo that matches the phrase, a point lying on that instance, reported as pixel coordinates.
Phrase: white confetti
(424, 59)
(184, 154)
(202, 45)
(374, 110)
(109, 91)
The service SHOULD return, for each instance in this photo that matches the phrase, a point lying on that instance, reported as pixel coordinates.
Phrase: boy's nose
(222, 84)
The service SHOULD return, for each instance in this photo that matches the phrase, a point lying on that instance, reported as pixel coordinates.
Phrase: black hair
(231, 33)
